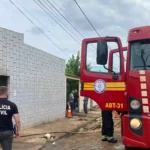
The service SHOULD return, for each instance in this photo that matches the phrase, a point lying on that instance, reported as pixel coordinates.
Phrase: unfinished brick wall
(37, 79)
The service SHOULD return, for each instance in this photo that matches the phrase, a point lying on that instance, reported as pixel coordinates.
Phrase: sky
(109, 17)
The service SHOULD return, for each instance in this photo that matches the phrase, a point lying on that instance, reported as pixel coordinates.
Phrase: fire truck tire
(133, 148)
(129, 148)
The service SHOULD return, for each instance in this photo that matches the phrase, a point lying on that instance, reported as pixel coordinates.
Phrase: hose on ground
(64, 132)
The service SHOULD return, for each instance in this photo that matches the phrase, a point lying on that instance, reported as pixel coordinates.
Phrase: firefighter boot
(111, 140)
(104, 138)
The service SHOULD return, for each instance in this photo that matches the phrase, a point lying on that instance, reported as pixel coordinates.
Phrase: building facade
(36, 79)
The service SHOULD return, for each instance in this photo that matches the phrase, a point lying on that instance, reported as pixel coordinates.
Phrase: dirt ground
(81, 132)
(33, 138)
(87, 141)
(90, 141)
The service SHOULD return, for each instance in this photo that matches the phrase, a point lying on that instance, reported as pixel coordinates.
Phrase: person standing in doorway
(76, 100)
(71, 100)
(85, 104)
(108, 126)
(8, 110)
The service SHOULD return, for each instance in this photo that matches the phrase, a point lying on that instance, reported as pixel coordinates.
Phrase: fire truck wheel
(129, 148)
(133, 148)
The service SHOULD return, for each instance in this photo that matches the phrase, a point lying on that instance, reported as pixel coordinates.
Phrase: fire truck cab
(119, 87)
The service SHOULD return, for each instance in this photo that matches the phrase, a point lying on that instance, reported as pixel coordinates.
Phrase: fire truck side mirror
(102, 52)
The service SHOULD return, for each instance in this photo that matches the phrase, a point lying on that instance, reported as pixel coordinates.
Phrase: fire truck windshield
(140, 55)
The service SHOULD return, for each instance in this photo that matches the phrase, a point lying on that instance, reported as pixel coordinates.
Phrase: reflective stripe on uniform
(104, 136)
(110, 138)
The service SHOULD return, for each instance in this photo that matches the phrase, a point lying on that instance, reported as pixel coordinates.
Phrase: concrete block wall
(37, 79)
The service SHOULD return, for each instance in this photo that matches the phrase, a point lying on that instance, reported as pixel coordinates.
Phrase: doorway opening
(4, 81)
(72, 83)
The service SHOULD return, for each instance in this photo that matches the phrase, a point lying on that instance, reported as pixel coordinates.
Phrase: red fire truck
(124, 90)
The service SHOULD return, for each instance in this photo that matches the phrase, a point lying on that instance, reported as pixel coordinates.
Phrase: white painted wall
(37, 79)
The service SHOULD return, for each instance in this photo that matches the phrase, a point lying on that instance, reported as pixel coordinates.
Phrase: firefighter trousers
(107, 123)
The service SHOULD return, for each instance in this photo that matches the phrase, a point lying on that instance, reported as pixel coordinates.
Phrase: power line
(51, 10)
(38, 27)
(88, 20)
(69, 21)
(56, 4)
(54, 19)
(65, 18)
(86, 17)
(36, 19)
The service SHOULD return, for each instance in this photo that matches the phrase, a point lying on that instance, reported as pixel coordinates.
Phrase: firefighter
(108, 126)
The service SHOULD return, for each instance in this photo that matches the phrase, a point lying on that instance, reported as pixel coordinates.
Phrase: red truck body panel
(132, 140)
(139, 33)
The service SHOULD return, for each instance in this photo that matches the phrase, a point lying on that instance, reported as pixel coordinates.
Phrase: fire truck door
(105, 86)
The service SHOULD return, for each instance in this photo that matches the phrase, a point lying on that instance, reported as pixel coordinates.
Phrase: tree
(73, 65)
